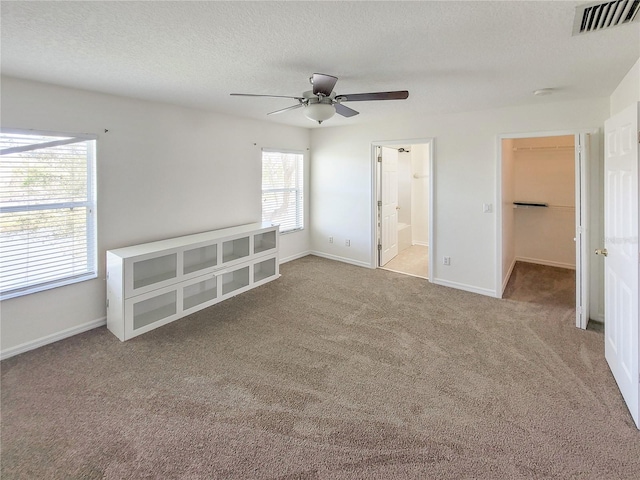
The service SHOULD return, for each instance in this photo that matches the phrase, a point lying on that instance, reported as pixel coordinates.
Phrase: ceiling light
(543, 91)
(319, 112)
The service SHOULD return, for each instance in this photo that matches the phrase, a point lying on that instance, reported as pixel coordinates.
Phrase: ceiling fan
(321, 103)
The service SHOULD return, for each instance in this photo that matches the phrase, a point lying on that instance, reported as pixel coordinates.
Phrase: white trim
(299, 189)
(41, 287)
(548, 263)
(508, 276)
(581, 204)
(430, 141)
(422, 244)
(373, 263)
(282, 150)
(597, 318)
(467, 288)
(54, 337)
(341, 259)
(48, 133)
(28, 286)
(432, 208)
(295, 257)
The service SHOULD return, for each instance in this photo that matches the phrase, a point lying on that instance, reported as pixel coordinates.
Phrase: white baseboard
(54, 337)
(505, 280)
(294, 257)
(548, 263)
(598, 318)
(424, 244)
(341, 259)
(467, 288)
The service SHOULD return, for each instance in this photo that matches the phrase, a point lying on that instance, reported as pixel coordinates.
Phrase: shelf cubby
(154, 270)
(235, 249)
(199, 293)
(200, 258)
(264, 269)
(146, 312)
(235, 280)
(263, 242)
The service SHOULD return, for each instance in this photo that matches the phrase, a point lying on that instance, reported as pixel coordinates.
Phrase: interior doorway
(403, 206)
(542, 220)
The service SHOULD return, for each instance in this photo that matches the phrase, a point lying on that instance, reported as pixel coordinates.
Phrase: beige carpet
(542, 284)
(413, 260)
(331, 372)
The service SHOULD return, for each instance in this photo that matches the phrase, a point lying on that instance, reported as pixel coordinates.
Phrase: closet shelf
(529, 205)
(542, 205)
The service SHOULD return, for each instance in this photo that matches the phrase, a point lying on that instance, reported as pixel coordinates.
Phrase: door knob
(601, 251)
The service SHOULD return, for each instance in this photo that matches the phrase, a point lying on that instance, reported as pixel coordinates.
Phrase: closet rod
(550, 147)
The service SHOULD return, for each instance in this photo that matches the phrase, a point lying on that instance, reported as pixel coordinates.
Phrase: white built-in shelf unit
(152, 284)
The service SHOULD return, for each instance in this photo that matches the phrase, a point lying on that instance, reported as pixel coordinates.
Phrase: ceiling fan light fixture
(319, 112)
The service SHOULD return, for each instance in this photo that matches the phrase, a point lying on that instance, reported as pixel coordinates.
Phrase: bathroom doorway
(403, 206)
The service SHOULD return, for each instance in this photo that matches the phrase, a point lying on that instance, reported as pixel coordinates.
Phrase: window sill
(47, 286)
(295, 230)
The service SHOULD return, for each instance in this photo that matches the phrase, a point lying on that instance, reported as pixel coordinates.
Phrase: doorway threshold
(403, 273)
(413, 260)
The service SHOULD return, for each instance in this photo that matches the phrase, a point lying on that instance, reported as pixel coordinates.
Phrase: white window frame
(298, 189)
(90, 203)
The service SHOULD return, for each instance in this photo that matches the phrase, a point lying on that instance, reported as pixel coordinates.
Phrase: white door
(622, 335)
(582, 143)
(389, 205)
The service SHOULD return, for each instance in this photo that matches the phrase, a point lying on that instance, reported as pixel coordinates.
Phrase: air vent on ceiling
(601, 15)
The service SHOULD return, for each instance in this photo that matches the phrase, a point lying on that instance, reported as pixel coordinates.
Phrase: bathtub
(404, 236)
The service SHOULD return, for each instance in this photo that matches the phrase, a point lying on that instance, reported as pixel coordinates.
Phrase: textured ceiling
(452, 56)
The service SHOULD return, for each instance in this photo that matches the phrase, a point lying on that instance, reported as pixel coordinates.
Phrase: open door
(388, 204)
(622, 333)
(582, 152)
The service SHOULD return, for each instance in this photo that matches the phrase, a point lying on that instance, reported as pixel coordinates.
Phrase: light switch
(487, 207)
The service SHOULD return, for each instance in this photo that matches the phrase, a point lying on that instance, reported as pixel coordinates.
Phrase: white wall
(420, 194)
(465, 178)
(162, 171)
(628, 91)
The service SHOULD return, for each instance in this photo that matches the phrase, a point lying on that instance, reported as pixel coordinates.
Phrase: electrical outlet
(487, 207)
(347, 243)
(446, 260)
(330, 239)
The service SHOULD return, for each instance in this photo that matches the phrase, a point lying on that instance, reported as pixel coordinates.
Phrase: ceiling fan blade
(345, 111)
(257, 95)
(293, 107)
(360, 97)
(323, 83)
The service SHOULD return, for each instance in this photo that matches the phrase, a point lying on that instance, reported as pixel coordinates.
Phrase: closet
(538, 195)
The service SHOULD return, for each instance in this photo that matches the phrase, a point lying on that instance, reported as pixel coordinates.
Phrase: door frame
(584, 157)
(375, 196)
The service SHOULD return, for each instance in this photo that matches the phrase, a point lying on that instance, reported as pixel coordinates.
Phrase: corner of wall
(627, 91)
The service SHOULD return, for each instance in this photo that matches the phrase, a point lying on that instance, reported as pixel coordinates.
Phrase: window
(282, 193)
(47, 211)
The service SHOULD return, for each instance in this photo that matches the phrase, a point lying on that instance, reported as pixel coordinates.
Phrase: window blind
(47, 211)
(282, 189)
